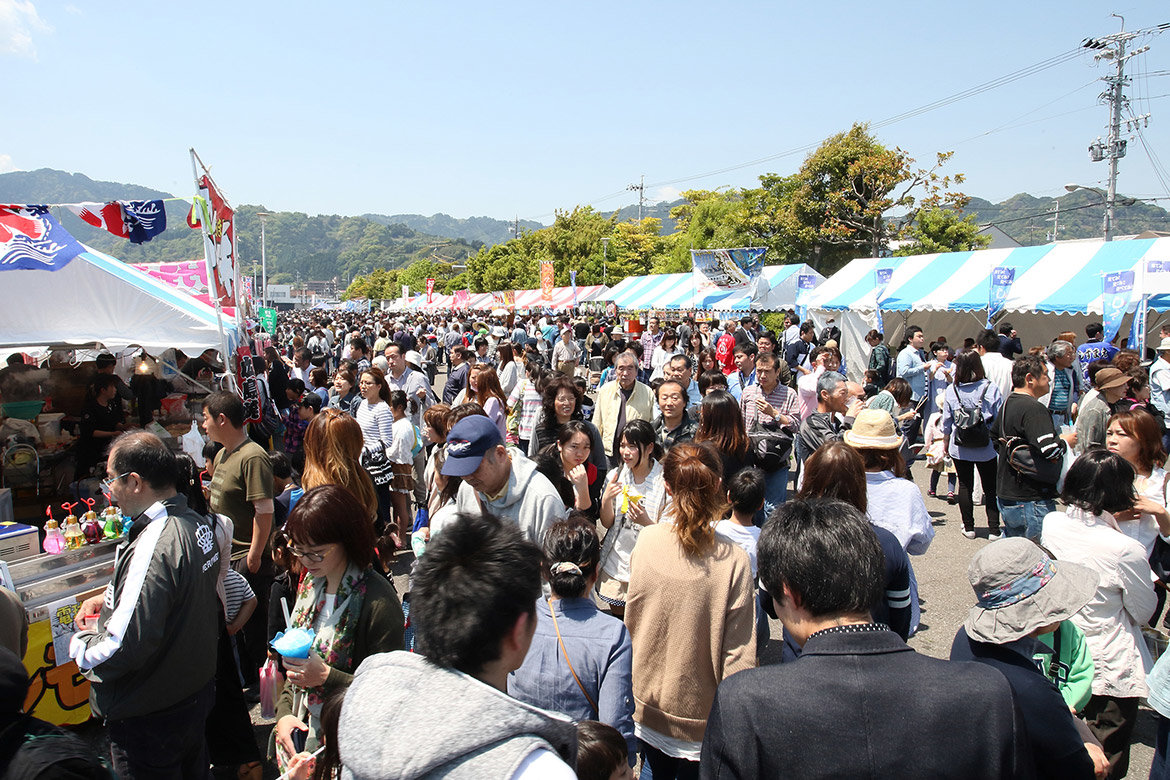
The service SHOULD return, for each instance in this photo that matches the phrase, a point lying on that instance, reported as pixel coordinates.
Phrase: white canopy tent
(96, 299)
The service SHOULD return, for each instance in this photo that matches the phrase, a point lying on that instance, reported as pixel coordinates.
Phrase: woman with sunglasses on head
(353, 610)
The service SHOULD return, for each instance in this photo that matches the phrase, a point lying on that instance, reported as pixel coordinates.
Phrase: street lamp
(1110, 200)
(604, 256)
(263, 215)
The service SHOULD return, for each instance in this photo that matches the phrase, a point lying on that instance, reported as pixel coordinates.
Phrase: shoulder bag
(377, 465)
(565, 653)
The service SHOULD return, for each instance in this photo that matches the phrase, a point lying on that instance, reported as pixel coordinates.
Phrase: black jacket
(155, 641)
(865, 705)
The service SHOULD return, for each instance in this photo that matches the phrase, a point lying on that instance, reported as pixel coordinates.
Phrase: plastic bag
(193, 444)
(271, 681)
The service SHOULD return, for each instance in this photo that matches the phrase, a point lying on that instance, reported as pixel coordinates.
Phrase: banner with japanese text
(1116, 293)
(997, 293)
(547, 282)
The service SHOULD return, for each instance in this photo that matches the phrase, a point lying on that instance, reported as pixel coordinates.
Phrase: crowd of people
(598, 526)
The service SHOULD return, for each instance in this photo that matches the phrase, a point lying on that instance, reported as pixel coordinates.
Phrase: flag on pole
(882, 278)
(217, 219)
(546, 282)
(461, 297)
(430, 290)
(805, 284)
(31, 239)
(573, 284)
(997, 293)
(136, 220)
(1116, 293)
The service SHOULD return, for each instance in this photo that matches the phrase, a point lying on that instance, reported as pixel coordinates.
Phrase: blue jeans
(1024, 518)
(775, 494)
(656, 764)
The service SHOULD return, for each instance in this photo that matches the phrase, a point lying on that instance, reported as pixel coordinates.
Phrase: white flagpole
(208, 252)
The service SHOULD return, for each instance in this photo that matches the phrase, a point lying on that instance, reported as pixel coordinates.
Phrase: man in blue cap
(499, 479)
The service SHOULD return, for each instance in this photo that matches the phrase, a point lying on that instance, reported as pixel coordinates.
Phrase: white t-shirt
(543, 765)
(326, 612)
(746, 536)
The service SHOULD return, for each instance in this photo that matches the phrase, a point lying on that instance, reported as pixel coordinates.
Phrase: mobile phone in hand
(299, 736)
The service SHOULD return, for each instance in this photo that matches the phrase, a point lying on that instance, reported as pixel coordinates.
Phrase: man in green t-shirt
(242, 490)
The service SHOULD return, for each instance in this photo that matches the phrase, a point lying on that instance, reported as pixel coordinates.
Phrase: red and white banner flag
(430, 290)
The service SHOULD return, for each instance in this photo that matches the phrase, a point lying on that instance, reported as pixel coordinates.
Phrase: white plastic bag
(193, 444)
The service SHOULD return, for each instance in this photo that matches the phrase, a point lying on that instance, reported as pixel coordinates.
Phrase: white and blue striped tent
(947, 294)
(679, 291)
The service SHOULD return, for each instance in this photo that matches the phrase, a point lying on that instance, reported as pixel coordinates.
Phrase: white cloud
(666, 194)
(6, 165)
(19, 21)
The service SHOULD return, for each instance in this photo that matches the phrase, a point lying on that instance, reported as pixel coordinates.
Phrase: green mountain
(485, 230)
(318, 247)
(1029, 219)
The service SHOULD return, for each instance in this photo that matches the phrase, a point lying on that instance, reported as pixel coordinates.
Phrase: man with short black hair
(444, 710)
(996, 367)
(457, 373)
(1095, 348)
(1023, 499)
(745, 369)
(1009, 341)
(151, 655)
(242, 490)
(823, 566)
(797, 354)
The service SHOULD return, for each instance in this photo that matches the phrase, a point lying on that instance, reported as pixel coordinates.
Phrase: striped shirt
(377, 424)
(782, 398)
(236, 592)
(531, 402)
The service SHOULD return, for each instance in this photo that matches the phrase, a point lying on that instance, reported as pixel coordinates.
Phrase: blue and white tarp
(1057, 278)
(679, 291)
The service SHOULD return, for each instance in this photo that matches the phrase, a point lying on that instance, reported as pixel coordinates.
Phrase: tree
(943, 230)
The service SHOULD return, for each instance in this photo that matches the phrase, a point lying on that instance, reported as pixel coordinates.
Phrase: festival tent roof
(562, 297)
(680, 291)
(1056, 278)
(98, 299)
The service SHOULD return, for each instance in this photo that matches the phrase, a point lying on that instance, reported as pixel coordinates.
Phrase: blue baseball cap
(467, 442)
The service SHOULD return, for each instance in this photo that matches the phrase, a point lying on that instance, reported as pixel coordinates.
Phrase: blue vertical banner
(882, 277)
(805, 284)
(573, 284)
(1001, 285)
(1117, 290)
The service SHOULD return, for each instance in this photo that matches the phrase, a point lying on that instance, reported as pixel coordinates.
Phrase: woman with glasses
(352, 609)
(377, 424)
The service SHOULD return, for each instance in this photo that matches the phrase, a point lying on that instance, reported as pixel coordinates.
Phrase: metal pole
(263, 261)
(1114, 138)
(604, 257)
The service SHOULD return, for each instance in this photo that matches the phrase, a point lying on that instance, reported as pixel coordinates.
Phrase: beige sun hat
(874, 429)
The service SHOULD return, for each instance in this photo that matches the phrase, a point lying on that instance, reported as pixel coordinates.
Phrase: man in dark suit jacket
(859, 702)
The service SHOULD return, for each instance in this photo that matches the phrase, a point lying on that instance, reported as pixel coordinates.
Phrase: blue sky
(518, 109)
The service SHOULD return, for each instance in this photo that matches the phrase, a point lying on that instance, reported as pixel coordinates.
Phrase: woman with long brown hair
(489, 395)
(333, 447)
(690, 609)
(721, 423)
(1135, 435)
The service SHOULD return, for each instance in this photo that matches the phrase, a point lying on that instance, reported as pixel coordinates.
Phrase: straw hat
(1019, 589)
(874, 429)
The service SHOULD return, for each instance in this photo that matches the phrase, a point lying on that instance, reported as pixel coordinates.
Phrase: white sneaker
(991, 537)
(969, 534)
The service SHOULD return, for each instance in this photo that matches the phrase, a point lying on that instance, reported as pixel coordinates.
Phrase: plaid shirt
(782, 398)
(649, 342)
(294, 429)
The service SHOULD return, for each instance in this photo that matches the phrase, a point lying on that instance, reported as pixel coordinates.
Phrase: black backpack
(970, 426)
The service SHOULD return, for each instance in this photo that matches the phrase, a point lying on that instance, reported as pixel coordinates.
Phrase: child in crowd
(239, 604)
(872, 383)
(586, 401)
(937, 459)
(745, 493)
(284, 587)
(401, 454)
(601, 753)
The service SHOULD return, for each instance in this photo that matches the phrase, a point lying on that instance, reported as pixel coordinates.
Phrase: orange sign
(546, 282)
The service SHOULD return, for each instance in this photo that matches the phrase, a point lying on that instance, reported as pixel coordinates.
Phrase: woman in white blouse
(377, 422)
(1098, 487)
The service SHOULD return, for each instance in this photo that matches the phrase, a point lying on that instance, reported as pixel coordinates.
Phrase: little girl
(937, 459)
(401, 454)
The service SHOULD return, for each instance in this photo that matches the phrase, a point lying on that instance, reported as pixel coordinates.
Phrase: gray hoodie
(529, 500)
(406, 718)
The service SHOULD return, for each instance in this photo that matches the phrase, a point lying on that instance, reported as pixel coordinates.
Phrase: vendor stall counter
(51, 588)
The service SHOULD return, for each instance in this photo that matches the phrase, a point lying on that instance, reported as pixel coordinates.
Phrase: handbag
(377, 465)
(770, 446)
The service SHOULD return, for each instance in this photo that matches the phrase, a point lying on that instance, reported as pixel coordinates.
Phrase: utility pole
(263, 215)
(516, 227)
(1112, 47)
(639, 188)
(1055, 223)
(604, 256)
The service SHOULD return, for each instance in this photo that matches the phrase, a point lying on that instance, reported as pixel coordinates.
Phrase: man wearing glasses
(151, 654)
